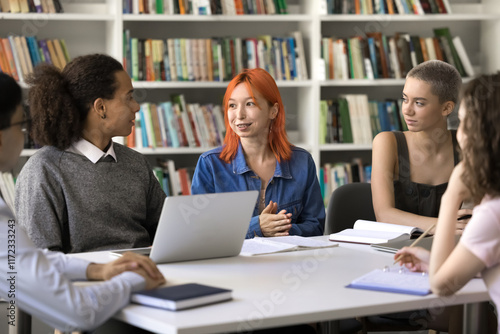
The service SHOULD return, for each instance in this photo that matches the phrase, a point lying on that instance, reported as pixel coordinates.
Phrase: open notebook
(370, 232)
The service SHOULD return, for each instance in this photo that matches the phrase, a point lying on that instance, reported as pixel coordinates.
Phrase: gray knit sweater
(66, 203)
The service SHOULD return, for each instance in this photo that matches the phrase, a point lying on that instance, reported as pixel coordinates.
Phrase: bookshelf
(97, 26)
(475, 21)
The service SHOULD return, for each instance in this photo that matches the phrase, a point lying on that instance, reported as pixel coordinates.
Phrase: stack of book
(419, 7)
(377, 56)
(352, 118)
(213, 59)
(177, 124)
(31, 6)
(205, 7)
(19, 54)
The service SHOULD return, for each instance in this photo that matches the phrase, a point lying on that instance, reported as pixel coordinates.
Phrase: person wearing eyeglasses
(41, 282)
(94, 194)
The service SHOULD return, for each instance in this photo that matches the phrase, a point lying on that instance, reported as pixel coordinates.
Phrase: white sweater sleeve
(39, 282)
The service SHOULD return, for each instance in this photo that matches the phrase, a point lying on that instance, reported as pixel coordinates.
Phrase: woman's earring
(103, 116)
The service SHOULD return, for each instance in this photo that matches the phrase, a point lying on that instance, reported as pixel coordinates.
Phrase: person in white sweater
(40, 282)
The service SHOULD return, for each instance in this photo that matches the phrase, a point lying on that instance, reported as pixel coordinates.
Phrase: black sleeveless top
(417, 198)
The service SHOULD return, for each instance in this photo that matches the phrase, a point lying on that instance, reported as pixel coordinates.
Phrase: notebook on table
(394, 246)
(394, 279)
(196, 227)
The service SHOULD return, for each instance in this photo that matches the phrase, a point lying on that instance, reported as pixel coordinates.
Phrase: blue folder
(394, 279)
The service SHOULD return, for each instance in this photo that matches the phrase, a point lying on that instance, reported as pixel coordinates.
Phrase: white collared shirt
(89, 150)
(40, 282)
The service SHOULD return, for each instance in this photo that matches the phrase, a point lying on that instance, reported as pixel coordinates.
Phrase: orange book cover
(156, 124)
(131, 138)
(423, 46)
(59, 52)
(238, 5)
(183, 178)
(330, 59)
(148, 54)
(53, 55)
(390, 6)
(4, 63)
(437, 48)
(182, 10)
(210, 69)
(10, 58)
(357, 6)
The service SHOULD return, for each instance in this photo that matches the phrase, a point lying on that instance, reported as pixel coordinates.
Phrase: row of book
(377, 56)
(352, 118)
(213, 59)
(174, 181)
(334, 175)
(419, 7)
(31, 6)
(205, 7)
(177, 181)
(20, 54)
(178, 124)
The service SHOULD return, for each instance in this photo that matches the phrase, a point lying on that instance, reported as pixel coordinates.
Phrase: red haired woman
(257, 155)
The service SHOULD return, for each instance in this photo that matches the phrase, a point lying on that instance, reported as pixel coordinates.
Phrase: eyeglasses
(25, 124)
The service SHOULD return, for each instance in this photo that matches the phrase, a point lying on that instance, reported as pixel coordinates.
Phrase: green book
(445, 33)
(159, 6)
(134, 58)
(323, 111)
(345, 121)
(283, 7)
(349, 54)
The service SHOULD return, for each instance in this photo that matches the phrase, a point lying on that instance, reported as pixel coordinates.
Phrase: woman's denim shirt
(294, 186)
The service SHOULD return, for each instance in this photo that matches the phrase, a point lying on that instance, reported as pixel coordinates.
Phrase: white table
(283, 289)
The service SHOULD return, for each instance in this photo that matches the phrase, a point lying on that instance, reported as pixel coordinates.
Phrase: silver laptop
(199, 227)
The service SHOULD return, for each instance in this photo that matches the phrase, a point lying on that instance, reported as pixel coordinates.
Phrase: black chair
(349, 203)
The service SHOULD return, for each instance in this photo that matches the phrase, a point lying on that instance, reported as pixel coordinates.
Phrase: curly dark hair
(60, 101)
(11, 97)
(481, 124)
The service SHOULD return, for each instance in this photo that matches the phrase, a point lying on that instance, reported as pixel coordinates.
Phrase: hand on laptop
(274, 224)
(128, 262)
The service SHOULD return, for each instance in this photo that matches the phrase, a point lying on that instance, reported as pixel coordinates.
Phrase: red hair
(264, 83)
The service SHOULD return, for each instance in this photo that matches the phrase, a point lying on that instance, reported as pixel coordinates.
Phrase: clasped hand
(274, 224)
(139, 264)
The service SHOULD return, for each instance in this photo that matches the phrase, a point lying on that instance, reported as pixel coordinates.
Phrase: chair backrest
(349, 203)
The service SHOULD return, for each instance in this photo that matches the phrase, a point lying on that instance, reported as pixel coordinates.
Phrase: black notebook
(182, 296)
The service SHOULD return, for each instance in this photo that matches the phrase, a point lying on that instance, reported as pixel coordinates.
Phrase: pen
(464, 217)
(417, 240)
